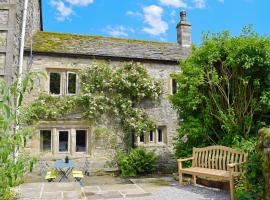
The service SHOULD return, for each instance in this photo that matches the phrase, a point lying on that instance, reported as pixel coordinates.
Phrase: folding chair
(51, 176)
(78, 176)
(86, 167)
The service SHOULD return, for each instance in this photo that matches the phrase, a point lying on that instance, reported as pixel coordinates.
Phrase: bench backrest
(217, 157)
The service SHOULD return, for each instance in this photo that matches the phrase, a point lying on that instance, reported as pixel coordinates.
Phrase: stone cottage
(62, 55)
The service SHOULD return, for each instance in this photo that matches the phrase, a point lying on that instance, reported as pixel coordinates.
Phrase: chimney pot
(183, 16)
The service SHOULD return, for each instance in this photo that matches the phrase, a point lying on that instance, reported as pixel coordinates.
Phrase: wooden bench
(215, 162)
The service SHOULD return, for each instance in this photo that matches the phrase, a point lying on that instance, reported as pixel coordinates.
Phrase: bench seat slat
(214, 173)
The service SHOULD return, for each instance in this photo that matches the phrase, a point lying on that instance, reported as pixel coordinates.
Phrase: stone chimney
(183, 31)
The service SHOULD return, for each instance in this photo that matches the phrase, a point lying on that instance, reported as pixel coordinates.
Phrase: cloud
(199, 3)
(221, 1)
(63, 11)
(174, 3)
(64, 8)
(80, 2)
(134, 14)
(153, 17)
(118, 31)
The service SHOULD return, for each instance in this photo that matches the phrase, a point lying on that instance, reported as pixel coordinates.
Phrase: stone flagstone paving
(140, 191)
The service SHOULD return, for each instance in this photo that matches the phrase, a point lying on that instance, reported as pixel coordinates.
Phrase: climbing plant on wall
(117, 92)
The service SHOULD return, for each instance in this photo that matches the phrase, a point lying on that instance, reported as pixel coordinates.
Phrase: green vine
(104, 90)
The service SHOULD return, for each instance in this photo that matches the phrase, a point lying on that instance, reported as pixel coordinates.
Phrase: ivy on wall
(103, 90)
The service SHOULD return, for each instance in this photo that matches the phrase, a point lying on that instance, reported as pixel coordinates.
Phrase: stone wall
(11, 12)
(163, 113)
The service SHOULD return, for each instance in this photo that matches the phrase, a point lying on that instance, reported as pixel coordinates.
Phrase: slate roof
(97, 46)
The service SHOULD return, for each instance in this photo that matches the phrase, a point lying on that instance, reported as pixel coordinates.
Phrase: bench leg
(181, 179)
(232, 188)
(194, 179)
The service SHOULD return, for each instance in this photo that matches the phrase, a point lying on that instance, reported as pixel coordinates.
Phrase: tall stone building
(62, 55)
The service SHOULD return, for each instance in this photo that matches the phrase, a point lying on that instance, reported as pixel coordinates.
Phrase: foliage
(223, 98)
(103, 90)
(264, 150)
(137, 162)
(252, 178)
(223, 90)
(12, 139)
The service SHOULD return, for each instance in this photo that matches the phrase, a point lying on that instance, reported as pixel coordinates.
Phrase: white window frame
(51, 140)
(67, 83)
(61, 78)
(86, 150)
(69, 142)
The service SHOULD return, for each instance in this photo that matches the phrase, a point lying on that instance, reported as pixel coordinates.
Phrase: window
(151, 136)
(63, 141)
(141, 137)
(45, 140)
(55, 83)
(160, 134)
(71, 83)
(81, 138)
(174, 86)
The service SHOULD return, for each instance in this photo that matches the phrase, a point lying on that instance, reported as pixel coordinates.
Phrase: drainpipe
(20, 70)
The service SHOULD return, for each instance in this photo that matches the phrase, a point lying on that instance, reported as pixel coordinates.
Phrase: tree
(223, 90)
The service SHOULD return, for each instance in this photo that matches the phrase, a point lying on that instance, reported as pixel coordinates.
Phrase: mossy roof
(48, 42)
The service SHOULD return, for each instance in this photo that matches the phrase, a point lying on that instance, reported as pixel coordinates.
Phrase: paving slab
(29, 192)
(64, 187)
(51, 195)
(105, 195)
(73, 195)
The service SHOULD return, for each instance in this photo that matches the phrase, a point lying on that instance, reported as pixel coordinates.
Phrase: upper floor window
(71, 83)
(174, 86)
(61, 83)
(142, 137)
(55, 83)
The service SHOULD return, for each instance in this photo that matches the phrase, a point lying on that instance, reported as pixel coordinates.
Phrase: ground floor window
(151, 136)
(155, 136)
(63, 141)
(45, 140)
(81, 140)
(160, 134)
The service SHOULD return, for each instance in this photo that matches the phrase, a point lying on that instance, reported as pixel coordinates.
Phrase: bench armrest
(231, 165)
(184, 159)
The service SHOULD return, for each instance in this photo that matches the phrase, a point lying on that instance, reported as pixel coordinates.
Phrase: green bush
(137, 162)
(253, 177)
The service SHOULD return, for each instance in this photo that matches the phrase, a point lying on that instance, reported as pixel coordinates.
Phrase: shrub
(253, 177)
(137, 162)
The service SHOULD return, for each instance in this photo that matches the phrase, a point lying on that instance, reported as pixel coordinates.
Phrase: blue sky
(154, 19)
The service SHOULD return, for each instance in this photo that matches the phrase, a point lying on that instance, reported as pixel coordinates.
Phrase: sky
(154, 20)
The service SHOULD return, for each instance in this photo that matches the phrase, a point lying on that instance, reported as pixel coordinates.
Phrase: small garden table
(64, 168)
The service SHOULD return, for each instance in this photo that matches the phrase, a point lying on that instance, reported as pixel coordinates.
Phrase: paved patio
(143, 190)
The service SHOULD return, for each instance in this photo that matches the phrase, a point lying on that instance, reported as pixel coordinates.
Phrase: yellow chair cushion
(51, 175)
(77, 175)
(76, 172)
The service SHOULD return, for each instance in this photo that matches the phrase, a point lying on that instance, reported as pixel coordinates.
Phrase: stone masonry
(68, 53)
